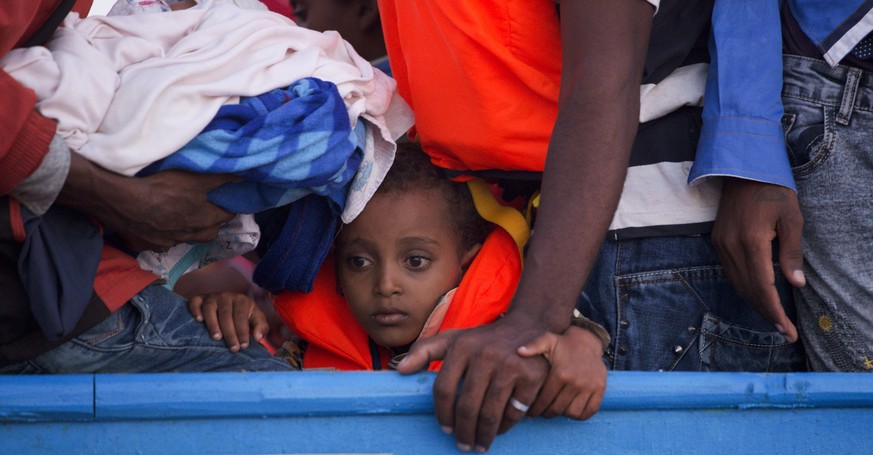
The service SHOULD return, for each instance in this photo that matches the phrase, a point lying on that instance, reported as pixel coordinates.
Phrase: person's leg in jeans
(667, 305)
(829, 132)
(154, 332)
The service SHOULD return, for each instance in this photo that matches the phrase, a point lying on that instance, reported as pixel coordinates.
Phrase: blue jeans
(828, 127)
(667, 305)
(153, 332)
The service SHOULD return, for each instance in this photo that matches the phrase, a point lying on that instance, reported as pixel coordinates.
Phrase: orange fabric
(337, 340)
(119, 278)
(481, 76)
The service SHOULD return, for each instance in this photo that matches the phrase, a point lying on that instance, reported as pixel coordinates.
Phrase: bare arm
(604, 51)
(154, 212)
(604, 48)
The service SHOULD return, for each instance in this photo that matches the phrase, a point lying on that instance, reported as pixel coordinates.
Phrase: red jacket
(337, 341)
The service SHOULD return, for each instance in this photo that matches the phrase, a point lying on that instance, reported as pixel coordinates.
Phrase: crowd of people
(578, 186)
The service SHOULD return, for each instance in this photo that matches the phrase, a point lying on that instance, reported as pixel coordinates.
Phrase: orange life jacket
(337, 341)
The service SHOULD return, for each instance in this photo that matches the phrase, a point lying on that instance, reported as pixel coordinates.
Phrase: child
(396, 271)
(416, 261)
(398, 266)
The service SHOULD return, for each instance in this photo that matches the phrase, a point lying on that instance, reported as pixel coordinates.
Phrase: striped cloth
(285, 144)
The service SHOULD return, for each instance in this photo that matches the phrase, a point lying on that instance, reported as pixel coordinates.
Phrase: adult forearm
(588, 153)
(580, 192)
(96, 191)
(154, 212)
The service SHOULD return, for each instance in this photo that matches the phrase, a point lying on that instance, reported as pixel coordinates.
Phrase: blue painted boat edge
(46, 397)
(257, 395)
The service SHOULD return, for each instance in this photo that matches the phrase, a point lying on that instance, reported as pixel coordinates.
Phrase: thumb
(791, 256)
(425, 351)
(543, 345)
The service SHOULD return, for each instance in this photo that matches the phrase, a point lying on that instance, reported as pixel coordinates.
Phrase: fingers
(466, 410)
(790, 250)
(482, 409)
(232, 316)
(210, 182)
(209, 310)
(765, 297)
(542, 345)
(259, 323)
(425, 351)
(547, 401)
(445, 387)
(240, 316)
(511, 413)
(791, 263)
(576, 376)
(203, 235)
(584, 406)
(751, 216)
(194, 304)
(228, 325)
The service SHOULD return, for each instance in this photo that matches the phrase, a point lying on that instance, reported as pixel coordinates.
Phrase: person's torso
(483, 80)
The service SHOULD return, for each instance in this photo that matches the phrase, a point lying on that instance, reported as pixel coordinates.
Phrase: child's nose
(387, 283)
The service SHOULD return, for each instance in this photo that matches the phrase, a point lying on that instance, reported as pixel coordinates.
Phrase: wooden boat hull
(325, 412)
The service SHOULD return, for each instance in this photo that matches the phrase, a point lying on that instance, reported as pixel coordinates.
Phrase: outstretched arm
(604, 49)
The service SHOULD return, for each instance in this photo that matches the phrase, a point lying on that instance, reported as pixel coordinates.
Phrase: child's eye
(418, 262)
(358, 262)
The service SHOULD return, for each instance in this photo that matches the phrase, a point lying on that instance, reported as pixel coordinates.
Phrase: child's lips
(389, 317)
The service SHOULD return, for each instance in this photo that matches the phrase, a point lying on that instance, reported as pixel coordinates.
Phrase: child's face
(395, 261)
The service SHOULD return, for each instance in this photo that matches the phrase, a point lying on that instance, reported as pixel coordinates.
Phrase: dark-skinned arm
(154, 212)
(750, 217)
(742, 139)
(604, 48)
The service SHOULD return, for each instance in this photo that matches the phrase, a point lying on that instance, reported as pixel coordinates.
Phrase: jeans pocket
(809, 136)
(111, 332)
(728, 347)
(658, 315)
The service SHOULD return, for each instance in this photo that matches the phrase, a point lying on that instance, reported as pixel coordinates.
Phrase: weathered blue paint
(46, 398)
(388, 413)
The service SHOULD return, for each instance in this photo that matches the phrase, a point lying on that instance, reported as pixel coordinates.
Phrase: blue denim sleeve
(742, 132)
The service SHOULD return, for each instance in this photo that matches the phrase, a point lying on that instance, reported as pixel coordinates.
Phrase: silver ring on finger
(518, 405)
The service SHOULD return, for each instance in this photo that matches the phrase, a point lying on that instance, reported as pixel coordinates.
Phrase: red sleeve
(24, 135)
(119, 278)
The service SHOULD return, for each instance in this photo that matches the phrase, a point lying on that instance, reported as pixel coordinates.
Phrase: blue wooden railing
(319, 412)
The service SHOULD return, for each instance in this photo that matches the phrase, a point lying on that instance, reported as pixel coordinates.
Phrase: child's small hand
(577, 377)
(230, 315)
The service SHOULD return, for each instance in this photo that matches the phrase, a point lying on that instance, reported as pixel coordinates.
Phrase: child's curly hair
(412, 169)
